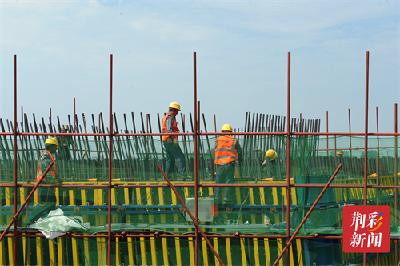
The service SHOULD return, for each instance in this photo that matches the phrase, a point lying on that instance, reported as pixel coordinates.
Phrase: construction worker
(170, 142)
(47, 195)
(271, 163)
(227, 152)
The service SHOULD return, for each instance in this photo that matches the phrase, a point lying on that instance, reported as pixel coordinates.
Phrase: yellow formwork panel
(279, 247)
(191, 250)
(204, 251)
(215, 244)
(130, 239)
(243, 251)
(228, 251)
(267, 252)
(10, 241)
(256, 253)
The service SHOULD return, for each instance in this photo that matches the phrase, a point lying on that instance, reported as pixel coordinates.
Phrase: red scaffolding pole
(110, 154)
(15, 162)
(396, 176)
(196, 166)
(288, 141)
(366, 137)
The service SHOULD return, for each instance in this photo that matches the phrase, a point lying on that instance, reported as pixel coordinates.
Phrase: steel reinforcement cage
(197, 184)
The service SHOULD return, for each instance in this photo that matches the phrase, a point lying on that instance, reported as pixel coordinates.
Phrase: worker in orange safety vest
(170, 142)
(227, 152)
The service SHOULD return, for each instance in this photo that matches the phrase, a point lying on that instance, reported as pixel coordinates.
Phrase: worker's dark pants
(174, 154)
(273, 170)
(225, 174)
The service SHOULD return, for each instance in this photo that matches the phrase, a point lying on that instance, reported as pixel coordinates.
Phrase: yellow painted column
(85, 240)
(163, 221)
(256, 253)
(267, 252)
(215, 244)
(191, 250)
(279, 246)
(22, 192)
(228, 251)
(243, 250)
(141, 239)
(299, 252)
(129, 240)
(10, 241)
(73, 239)
(176, 239)
(204, 251)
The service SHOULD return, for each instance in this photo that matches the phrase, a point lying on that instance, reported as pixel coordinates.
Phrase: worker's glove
(264, 163)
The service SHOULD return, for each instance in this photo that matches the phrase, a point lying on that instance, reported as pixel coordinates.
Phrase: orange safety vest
(225, 151)
(165, 130)
(52, 172)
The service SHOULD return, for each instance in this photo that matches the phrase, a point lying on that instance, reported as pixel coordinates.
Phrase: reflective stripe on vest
(225, 151)
(52, 172)
(165, 130)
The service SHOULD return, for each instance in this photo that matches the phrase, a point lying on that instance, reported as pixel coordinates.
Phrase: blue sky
(63, 49)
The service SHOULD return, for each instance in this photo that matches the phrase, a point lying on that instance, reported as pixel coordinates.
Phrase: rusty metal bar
(206, 185)
(349, 115)
(13, 219)
(75, 124)
(175, 235)
(288, 141)
(15, 161)
(366, 127)
(360, 134)
(196, 160)
(377, 168)
(355, 149)
(110, 154)
(194, 218)
(366, 137)
(327, 131)
(288, 243)
(396, 158)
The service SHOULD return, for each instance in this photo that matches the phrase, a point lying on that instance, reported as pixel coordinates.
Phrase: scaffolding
(141, 214)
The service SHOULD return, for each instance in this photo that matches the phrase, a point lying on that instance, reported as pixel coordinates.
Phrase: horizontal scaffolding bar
(174, 235)
(315, 185)
(76, 134)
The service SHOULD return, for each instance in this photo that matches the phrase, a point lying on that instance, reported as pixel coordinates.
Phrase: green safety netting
(260, 211)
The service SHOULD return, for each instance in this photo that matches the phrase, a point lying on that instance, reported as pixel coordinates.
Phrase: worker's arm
(170, 124)
(171, 129)
(239, 152)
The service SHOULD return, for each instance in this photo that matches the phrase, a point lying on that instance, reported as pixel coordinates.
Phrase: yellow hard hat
(175, 105)
(373, 175)
(227, 127)
(271, 154)
(52, 140)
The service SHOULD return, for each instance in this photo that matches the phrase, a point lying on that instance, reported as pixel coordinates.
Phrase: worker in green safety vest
(48, 194)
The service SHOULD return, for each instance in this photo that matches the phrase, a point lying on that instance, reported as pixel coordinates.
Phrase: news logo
(366, 229)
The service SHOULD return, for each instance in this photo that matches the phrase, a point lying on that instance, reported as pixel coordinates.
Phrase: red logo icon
(366, 229)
